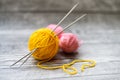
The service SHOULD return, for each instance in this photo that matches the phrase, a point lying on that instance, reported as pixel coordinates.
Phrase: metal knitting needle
(72, 23)
(26, 59)
(65, 16)
(29, 54)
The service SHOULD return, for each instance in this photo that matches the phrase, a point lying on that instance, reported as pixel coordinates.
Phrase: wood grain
(100, 33)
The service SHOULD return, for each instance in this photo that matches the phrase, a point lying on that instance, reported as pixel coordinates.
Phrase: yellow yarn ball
(46, 42)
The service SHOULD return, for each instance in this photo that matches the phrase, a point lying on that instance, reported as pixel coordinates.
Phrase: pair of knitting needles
(30, 53)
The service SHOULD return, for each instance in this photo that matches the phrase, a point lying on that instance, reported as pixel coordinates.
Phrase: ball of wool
(68, 42)
(57, 30)
(47, 44)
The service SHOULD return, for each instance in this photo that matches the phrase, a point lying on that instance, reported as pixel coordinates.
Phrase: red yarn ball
(57, 30)
(69, 42)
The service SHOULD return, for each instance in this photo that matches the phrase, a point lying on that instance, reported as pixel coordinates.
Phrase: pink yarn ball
(57, 30)
(69, 42)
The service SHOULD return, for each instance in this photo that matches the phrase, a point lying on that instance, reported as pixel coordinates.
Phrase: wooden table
(100, 31)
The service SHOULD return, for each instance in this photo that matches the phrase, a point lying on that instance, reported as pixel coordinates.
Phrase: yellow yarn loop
(46, 42)
(67, 67)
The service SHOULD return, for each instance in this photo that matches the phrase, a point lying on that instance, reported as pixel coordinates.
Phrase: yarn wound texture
(47, 44)
(69, 42)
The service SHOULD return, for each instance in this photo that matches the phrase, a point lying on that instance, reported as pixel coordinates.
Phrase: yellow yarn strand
(47, 44)
(68, 67)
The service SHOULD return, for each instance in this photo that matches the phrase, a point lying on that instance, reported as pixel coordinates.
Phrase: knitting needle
(65, 16)
(26, 59)
(29, 54)
(72, 23)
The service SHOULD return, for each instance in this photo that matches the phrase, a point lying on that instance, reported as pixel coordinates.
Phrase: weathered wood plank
(58, 5)
(17, 21)
(100, 77)
(89, 36)
(32, 73)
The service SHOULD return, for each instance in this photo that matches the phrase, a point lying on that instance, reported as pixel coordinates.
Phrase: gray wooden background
(100, 31)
